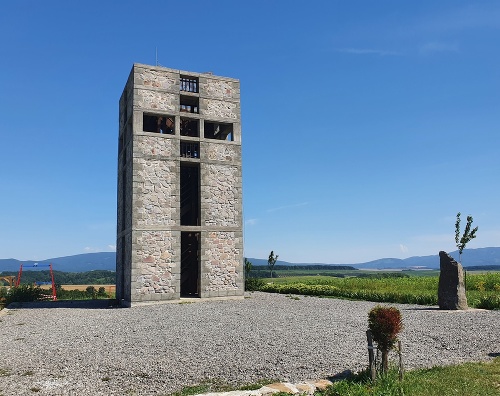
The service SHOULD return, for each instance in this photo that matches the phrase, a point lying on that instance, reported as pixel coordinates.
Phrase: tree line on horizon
(95, 277)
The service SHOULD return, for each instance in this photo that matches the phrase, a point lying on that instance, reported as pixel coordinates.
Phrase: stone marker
(451, 291)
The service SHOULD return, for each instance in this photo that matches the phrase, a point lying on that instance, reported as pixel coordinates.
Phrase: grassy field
(483, 290)
(470, 379)
(109, 288)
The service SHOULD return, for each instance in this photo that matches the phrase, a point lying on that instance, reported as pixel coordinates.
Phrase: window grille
(189, 84)
(190, 150)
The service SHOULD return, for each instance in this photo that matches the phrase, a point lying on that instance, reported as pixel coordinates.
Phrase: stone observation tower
(179, 231)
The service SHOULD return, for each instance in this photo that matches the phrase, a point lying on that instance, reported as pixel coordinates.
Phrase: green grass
(483, 290)
(211, 386)
(471, 379)
(204, 387)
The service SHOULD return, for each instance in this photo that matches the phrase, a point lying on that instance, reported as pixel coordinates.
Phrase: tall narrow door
(190, 264)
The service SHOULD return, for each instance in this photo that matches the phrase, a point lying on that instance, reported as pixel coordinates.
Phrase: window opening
(218, 131)
(189, 104)
(189, 84)
(189, 127)
(190, 150)
(190, 264)
(158, 123)
(190, 194)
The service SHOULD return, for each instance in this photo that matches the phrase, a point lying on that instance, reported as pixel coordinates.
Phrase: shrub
(253, 284)
(385, 324)
(3, 295)
(91, 292)
(489, 302)
(24, 293)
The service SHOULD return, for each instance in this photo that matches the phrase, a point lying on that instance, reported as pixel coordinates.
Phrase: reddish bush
(385, 324)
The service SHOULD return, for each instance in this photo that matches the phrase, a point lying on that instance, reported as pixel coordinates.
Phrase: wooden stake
(371, 358)
(401, 368)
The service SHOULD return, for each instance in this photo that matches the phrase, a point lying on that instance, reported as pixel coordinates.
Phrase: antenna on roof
(157, 63)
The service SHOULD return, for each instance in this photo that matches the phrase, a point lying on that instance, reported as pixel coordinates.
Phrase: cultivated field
(110, 289)
(483, 290)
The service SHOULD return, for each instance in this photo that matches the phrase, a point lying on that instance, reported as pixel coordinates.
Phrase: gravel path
(157, 349)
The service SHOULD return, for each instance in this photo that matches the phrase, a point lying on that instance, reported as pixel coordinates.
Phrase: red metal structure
(18, 280)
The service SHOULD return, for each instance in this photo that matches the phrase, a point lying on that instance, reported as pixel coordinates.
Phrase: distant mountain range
(470, 258)
(107, 261)
(79, 263)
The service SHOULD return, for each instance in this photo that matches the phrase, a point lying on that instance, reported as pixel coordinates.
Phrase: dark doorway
(190, 264)
(190, 194)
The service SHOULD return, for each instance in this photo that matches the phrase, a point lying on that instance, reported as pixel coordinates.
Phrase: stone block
(451, 290)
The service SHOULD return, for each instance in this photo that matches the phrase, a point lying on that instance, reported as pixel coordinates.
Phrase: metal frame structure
(18, 280)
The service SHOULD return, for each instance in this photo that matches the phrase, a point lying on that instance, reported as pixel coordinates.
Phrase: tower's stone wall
(150, 147)
(156, 192)
(156, 79)
(213, 108)
(221, 260)
(221, 201)
(222, 152)
(220, 89)
(156, 273)
(156, 100)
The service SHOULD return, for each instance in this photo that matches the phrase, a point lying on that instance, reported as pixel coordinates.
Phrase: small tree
(91, 292)
(248, 268)
(466, 237)
(271, 261)
(385, 323)
(251, 284)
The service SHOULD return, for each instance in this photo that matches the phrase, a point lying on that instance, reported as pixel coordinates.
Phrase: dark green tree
(251, 284)
(271, 261)
(248, 268)
(91, 292)
(466, 237)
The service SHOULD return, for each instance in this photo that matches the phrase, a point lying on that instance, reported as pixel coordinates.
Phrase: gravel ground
(158, 349)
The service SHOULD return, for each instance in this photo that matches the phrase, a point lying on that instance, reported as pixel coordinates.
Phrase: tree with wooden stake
(271, 261)
(466, 237)
(384, 324)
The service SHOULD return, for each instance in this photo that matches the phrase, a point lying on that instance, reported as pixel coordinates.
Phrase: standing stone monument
(451, 291)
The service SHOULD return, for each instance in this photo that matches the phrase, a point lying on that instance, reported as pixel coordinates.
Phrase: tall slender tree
(248, 268)
(466, 237)
(271, 261)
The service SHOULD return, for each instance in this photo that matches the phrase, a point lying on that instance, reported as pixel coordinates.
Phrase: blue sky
(366, 126)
